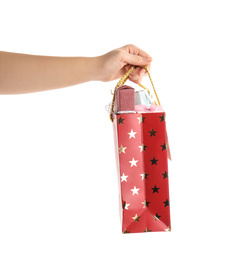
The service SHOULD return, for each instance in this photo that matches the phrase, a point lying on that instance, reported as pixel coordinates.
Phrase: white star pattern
(124, 177)
(141, 147)
(126, 206)
(135, 190)
(133, 162)
(167, 229)
(132, 134)
(144, 147)
(140, 119)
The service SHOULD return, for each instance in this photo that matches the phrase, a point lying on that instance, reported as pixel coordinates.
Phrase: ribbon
(153, 107)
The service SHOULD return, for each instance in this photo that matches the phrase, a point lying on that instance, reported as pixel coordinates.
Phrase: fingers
(133, 55)
(136, 60)
(132, 49)
(137, 74)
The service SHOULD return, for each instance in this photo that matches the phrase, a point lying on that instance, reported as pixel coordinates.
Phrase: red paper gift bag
(142, 162)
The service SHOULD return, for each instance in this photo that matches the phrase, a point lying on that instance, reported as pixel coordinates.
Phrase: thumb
(136, 59)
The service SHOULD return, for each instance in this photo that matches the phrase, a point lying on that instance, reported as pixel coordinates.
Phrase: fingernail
(148, 59)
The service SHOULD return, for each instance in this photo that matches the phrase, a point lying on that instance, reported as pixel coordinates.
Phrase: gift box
(124, 100)
(142, 153)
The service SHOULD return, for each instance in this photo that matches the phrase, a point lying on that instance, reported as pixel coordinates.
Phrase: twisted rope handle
(122, 82)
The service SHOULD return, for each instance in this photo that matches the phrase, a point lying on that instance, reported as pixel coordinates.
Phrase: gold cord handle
(122, 82)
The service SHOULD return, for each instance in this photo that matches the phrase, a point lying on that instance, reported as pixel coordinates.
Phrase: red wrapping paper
(142, 162)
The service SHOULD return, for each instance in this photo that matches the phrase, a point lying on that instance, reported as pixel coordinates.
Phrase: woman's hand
(114, 64)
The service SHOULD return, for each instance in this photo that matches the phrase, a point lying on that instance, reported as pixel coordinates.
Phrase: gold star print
(154, 161)
(168, 229)
(152, 133)
(165, 175)
(155, 189)
(145, 203)
(162, 117)
(125, 205)
(156, 217)
(142, 147)
(122, 149)
(141, 119)
(166, 203)
(120, 120)
(144, 176)
(147, 230)
(136, 218)
(125, 231)
(164, 146)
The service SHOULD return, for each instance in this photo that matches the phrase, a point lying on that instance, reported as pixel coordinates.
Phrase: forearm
(22, 73)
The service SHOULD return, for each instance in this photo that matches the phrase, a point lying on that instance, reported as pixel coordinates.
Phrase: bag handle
(122, 82)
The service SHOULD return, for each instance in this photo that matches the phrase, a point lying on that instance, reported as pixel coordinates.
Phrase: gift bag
(142, 153)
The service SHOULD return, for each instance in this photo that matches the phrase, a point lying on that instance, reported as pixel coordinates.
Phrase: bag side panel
(131, 165)
(156, 170)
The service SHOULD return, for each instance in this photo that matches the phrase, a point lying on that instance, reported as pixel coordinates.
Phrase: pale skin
(24, 73)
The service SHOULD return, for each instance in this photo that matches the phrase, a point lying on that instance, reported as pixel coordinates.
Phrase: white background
(58, 181)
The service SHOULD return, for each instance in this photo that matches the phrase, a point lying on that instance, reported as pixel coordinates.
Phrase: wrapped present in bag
(142, 159)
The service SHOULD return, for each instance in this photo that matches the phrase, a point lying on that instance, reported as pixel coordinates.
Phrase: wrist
(94, 68)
